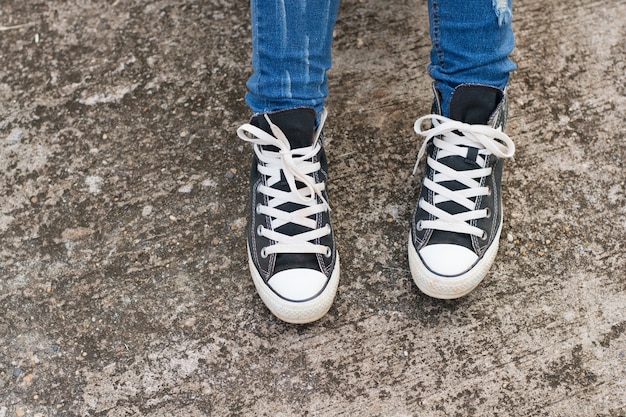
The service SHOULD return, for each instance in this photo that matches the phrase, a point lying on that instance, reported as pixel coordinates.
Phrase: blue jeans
(291, 49)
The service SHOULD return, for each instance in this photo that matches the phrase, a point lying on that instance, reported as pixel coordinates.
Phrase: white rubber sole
(448, 288)
(292, 311)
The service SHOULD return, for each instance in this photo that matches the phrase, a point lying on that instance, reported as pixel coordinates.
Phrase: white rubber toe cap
(298, 284)
(447, 260)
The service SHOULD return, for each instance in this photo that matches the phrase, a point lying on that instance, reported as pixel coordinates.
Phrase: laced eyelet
(484, 236)
(264, 253)
(418, 226)
(259, 230)
(258, 209)
(329, 252)
(488, 213)
(489, 191)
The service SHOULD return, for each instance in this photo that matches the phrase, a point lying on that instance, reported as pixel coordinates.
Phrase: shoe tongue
(298, 125)
(474, 104)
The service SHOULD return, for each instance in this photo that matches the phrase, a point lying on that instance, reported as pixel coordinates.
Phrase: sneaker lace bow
(296, 165)
(454, 138)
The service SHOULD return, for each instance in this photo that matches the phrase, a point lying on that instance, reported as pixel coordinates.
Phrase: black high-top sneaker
(291, 249)
(457, 222)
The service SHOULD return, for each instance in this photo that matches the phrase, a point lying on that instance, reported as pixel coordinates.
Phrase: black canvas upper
(472, 104)
(298, 125)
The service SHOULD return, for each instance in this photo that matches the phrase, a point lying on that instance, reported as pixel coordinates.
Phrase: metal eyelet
(329, 252)
(488, 190)
(264, 253)
(484, 236)
(418, 226)
(259, 230)
(258, 209)
(487, 213)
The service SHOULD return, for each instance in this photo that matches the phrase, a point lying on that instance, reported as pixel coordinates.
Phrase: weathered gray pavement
(124, 288)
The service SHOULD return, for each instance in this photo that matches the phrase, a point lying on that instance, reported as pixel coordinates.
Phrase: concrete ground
(124, 288)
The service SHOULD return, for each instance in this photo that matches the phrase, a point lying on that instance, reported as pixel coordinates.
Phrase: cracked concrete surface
(124, 288)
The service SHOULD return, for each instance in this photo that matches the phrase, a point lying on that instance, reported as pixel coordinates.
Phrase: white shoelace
(296, 165)
(452, 137)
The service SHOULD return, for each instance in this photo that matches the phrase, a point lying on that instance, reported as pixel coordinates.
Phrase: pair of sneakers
(455, 227)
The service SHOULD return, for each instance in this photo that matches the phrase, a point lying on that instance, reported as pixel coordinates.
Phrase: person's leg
(471, 43)
(291, 249)
(291, 53)
(458, 219)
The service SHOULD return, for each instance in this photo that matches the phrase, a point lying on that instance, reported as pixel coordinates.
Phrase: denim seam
(436, 33)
